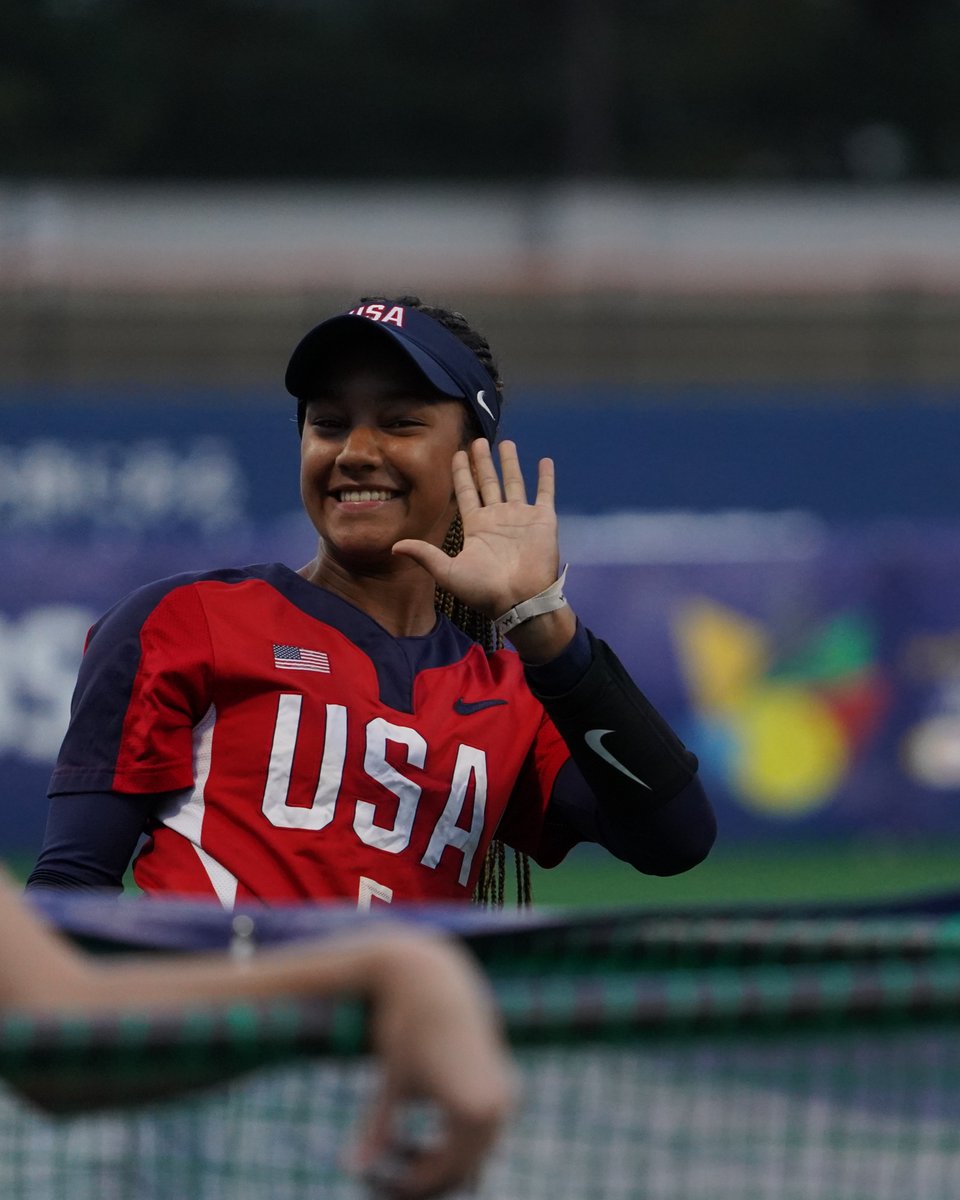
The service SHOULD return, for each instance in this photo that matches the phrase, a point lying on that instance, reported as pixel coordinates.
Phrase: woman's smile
(363, 497)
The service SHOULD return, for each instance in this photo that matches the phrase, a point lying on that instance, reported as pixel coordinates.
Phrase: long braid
(473, 623)
(491, 883)
(491, 886)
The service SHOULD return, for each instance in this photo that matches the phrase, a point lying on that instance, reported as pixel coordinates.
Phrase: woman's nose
(360, 445)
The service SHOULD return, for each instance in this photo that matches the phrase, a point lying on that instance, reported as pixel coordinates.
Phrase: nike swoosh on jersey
(594, 739)
(466, 707)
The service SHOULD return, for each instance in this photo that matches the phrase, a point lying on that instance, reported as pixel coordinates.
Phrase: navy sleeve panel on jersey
(104, 686)
(662, 840)
(90, 839)
(635, 789)
(563, 673)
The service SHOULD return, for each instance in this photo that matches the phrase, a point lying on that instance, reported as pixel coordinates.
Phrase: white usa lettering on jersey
(470, 767)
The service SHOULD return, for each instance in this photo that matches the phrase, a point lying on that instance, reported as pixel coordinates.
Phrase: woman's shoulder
(137, 604)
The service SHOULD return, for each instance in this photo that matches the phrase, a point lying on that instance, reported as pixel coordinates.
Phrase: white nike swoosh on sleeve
(593, 738)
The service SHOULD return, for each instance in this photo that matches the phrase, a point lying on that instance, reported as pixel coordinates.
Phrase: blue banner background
(780, 572)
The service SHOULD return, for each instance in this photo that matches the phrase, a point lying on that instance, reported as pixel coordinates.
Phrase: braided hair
(491, 885)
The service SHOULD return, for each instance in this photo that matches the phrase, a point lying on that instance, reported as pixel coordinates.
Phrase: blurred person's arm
(433, 1025)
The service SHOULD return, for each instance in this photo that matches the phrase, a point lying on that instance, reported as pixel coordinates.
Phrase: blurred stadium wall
(577, 283)
(751, 395)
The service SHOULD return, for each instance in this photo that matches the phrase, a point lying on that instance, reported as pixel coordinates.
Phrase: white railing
(557, 238)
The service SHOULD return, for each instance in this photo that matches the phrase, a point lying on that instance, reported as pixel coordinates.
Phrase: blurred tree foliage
(504, 90)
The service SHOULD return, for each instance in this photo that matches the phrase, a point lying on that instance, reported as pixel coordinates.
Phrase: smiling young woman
(376, 449)
(357, 729)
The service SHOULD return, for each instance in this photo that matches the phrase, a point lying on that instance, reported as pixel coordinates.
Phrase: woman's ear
(471, 429)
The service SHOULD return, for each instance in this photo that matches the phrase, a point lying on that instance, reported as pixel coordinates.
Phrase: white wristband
(549, 600)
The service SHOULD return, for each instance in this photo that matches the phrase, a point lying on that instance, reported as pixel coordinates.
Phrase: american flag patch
(295, 658)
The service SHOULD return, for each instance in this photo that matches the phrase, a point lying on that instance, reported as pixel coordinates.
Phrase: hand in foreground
(510, 550)
(436, 1033)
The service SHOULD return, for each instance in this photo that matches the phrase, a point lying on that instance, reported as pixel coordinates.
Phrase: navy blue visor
(448, 364)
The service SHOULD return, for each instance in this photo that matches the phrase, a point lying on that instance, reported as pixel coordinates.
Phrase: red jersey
(312, 754)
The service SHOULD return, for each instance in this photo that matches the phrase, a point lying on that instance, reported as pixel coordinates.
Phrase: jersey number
(370, 891)
(394, 837)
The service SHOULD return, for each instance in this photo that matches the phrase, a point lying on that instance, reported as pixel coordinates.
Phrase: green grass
(850, 871)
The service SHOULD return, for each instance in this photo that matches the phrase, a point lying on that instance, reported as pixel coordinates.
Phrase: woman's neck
(399, 598)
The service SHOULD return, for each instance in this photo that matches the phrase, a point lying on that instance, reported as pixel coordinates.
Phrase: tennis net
(668, 1057)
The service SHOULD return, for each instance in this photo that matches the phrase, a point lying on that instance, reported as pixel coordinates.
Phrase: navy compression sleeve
(632, 785)
(90, 839)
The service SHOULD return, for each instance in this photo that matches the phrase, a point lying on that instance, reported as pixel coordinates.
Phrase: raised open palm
(510, 550)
